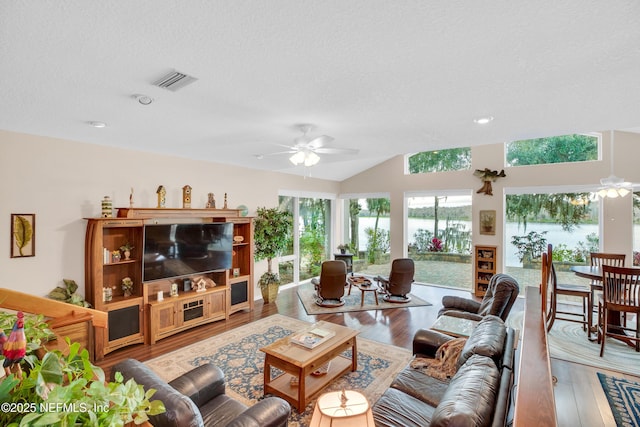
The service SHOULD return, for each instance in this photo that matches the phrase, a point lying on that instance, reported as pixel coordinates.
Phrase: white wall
(63, 182)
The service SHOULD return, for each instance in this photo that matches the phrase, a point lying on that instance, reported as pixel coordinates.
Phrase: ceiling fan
(306, 149)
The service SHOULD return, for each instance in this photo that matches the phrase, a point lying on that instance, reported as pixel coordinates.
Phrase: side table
(347, 258)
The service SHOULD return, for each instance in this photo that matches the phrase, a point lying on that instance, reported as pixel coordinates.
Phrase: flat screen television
(179, 250)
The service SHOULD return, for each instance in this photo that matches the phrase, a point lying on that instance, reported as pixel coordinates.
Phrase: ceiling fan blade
(280, 152)
(336, 151)
(319, 141)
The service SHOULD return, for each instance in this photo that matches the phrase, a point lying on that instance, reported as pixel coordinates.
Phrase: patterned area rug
(624, 399)
(567, 341)
(237, 353)
(306, 293)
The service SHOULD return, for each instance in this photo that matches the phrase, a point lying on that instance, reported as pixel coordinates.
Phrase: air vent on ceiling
(174, 81)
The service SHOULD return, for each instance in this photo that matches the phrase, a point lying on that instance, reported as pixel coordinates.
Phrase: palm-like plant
(271, 234)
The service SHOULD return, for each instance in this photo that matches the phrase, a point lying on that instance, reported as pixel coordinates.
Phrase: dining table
(594, 273)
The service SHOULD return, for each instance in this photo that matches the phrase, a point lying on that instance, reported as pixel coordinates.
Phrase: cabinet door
(164, 318)
(216, 305)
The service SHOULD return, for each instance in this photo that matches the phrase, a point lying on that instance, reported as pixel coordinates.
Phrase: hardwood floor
(579, 397)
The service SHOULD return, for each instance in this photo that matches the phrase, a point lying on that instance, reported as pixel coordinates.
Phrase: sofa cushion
(221, 410)
(471, 396)
(395, 408)
(487, 339)
(421, 386)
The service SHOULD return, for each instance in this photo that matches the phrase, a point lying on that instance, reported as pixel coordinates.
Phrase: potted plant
(126, 250)
(73, 382)
(127, 286)
(271, 235)
(344, 247)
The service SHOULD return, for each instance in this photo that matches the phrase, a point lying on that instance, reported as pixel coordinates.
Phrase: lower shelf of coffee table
(313, 384)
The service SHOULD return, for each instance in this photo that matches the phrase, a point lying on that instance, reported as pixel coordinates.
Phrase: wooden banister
(535, 402)
(20, 301)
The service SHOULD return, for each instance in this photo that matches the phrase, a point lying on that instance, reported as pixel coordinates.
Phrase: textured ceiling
(384, 77)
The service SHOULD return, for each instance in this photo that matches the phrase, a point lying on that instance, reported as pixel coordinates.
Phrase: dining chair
(568, 289)
(620, 294)
(598, 259)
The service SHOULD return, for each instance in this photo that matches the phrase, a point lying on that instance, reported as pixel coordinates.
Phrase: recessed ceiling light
(98, 124)
(483, 120)
(143, 99)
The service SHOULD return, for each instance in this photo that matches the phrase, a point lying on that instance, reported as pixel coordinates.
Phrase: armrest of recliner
(427, 341)
(460, 314)
(269, 412)
(459, 303)
(201, 384)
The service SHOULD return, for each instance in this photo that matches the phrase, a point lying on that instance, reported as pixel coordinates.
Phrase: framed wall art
(23, 235)
(488, 222)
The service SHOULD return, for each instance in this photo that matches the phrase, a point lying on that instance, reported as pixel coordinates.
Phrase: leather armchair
(198, 398)
(330, 287)
(398, 284)
(502, 292)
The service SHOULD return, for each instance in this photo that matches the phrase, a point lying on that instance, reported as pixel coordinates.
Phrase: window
(368, 234)
(636, 229)
(439, 238)
(311, 243)
(555, 149)
(568, 221)
(440, 161)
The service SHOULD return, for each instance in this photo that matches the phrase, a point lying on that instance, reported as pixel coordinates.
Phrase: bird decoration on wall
(14, 347)
(488, 176)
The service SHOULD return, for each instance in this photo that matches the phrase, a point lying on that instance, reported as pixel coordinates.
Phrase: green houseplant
(271, 235)
(68, 390)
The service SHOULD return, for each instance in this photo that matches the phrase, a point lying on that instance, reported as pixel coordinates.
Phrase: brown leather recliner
(330, 287)
(397, 287)
(502, 292)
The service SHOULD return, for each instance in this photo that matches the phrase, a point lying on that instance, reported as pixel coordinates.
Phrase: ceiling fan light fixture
(311, 159)
(613, 186)
(297, 158)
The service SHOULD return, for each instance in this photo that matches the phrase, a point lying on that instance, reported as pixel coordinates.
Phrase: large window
(368, 234)
(311, 243)
(636, 229)
(555, 149)
(440, 161)
(568, 221)
(439, 238)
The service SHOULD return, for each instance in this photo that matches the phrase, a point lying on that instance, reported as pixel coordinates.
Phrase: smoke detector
(174, 80)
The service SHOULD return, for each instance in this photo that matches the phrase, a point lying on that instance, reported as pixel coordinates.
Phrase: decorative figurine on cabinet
(107, 207)
(162, 196)
(211, 202)
(186, 197)
(131, 198)
(225, 201)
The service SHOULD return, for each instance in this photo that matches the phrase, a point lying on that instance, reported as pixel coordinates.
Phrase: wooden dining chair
(598, 259)
(620, 294)
(555, 289)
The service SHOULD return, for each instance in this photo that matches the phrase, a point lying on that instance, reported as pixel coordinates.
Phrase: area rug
(624, 399)
(306, 293)
(568, 341)
(237, 353)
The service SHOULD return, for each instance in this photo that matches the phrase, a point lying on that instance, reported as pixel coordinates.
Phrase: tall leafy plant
(272, 232)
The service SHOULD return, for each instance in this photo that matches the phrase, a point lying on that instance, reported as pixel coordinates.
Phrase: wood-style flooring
(579, 397)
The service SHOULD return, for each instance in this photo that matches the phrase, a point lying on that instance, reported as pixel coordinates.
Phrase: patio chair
(501, 294)
(398, 285)
(330, 286)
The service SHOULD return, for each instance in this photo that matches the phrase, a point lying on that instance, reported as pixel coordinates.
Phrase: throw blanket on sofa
(443, 366)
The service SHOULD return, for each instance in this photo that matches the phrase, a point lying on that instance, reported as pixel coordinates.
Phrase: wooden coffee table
(299, 362)
(365, 285)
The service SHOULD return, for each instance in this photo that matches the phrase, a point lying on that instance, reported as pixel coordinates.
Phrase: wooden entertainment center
(142, 317)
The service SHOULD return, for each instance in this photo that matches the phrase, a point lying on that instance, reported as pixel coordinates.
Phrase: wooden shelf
(133, 314)
(485, 262)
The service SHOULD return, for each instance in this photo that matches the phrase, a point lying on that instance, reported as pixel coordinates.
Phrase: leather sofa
(198, 398)
(501, 294)
(479, 394)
